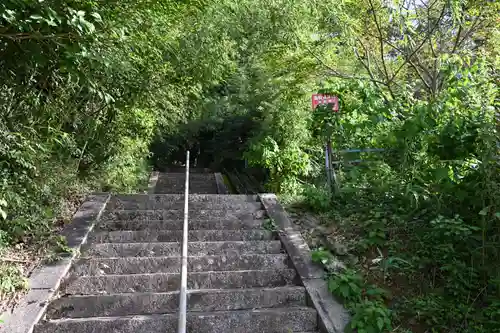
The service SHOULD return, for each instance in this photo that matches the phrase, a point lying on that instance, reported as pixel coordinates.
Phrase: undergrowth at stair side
(420, 265)
(365, 302)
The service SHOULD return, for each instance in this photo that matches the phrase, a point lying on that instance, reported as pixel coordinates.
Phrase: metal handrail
(184, 259)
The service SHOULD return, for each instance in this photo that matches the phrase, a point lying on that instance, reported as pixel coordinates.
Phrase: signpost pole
(328, 165)
(331, 176)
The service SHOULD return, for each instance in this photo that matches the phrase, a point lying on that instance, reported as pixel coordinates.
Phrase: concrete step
(193, 183)
(179, 190)
(165, 282)
(178, 225)
(144, 265)
(180, 181)
(176, 236)
(278, 320)
(182, 169)
(158, 303)
(173, 249)
(178, 214)
(201, 180)
(175, 182)
(155, 203)
(182, 173)
(179, 198)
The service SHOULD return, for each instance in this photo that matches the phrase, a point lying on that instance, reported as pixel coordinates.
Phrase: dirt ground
(319, 231)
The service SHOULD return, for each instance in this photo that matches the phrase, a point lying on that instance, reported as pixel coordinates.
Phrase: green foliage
(365, 302)
(11, 279)
(81, 87)
(285, 165)
(317, 199)
(375, 234)
(78, 103)
(270, 225)
(421, 215)
(371, 317)
(321, 256)
(346, 285)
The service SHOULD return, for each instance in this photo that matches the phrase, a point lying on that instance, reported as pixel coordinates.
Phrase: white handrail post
(184, 259)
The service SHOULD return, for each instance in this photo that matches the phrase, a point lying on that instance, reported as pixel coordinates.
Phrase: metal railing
(359, 160)
(184, 259)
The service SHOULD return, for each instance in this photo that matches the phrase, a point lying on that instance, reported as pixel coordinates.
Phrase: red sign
(322, 99)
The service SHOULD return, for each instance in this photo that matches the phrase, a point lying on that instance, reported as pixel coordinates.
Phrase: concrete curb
(221, 186)
(333, 317)
(153, 179)
(45, 280)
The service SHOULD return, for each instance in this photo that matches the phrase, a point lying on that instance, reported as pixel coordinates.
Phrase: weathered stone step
(179, 183)
(182, 169)
(182, 173)
(173, 249)
(180, 189)
(144, 265)
(158, 303)
(193, 183)
(176, 236)
(174, 183)
(154, 203)
(178, 214)
(179, 198)
(207, 181)
(178, 225)
(202, 180)
(278, 320)
(180, 179)
(164, 282)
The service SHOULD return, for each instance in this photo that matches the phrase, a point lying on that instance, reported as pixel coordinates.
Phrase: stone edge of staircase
(153, 179)
(332, 316)
(221, 186)
(45, 280)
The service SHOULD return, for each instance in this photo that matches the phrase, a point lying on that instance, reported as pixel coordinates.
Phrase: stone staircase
(128, 275)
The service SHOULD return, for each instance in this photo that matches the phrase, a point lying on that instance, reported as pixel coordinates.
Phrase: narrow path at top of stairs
(174, 182)
(127, 278)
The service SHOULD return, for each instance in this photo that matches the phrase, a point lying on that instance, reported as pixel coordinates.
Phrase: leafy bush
(11, 279)
(365, 302)
(347, 285)
(317, 199)
(370, 317)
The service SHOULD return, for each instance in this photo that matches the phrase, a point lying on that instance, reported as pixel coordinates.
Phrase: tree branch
(335, 72)
(457, 40)
(369, 70)
(381, 48)
(410, 62)
(408, 58)
(475, 24)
